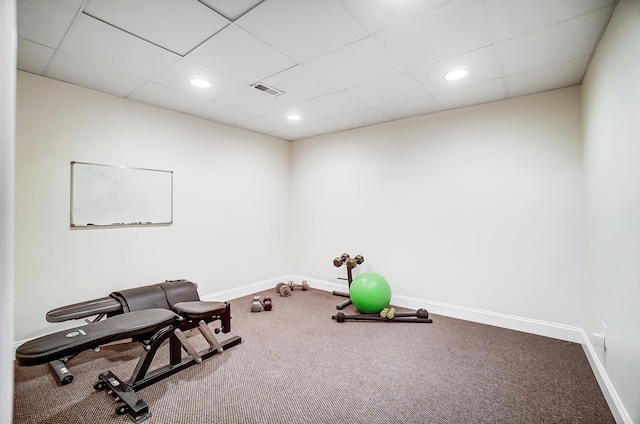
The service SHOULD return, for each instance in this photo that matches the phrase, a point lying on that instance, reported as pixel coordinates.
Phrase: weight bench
(148, 315)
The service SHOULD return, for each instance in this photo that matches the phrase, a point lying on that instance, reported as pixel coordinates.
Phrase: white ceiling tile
(482, 64)
(278, 111)
(389, 90)
(105, 45)
(362, 118)
(511, 18)
(236, 53)
(411, 107)
(340, 63)
(166, 97)
(43, 21)
(65, 67)
(280, 115)
(258, 124)
(219, 112)
(564, 74)
(335, 104)
(561, 42)
(326, 126)
(300, 84)
(456, 27)
(252, 100)
(33, 57)
(376, 15)
(293, 133)
(472, 95)
(72, 3)
(232, 9)
(180, 74)
(356, 64)
(149, 20)
(303, 29)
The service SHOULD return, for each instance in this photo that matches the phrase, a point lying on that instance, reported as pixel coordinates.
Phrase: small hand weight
(266, 304)
(283, 289)
(256, 305)
(304, 286)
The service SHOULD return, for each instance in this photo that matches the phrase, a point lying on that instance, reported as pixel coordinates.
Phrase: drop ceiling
(340, 64)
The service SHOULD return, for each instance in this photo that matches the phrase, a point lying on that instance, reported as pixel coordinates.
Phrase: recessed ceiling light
(456, 74)
(200, 83)
(293, 117)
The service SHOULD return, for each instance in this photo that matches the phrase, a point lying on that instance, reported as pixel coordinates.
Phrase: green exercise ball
(370, 292)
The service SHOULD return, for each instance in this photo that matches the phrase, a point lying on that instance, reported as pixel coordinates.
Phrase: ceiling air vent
(266, 89)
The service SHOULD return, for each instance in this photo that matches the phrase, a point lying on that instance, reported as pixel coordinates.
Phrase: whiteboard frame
(74, 224)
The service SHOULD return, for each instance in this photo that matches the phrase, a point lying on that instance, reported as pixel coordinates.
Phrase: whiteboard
(104, 195)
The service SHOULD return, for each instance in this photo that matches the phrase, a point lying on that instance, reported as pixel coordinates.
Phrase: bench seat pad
(62, 344)
(200, 309)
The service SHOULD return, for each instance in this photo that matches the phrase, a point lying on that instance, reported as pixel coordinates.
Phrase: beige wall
(231, 194)
(612, 174)
(479, 207)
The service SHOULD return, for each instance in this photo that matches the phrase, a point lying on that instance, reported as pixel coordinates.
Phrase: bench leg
(206, 332)
(187, 345)
(61, 371)
(125, 392)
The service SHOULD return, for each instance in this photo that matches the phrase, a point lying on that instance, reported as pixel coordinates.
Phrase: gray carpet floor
(297, 365)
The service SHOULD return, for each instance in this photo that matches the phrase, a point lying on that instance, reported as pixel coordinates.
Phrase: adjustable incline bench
(148, 315)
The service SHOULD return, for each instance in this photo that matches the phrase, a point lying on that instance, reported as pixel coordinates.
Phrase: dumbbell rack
(351, 263)
(346, 302)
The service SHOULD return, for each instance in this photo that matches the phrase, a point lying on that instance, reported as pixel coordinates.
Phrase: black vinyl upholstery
(179, 291)
(134, 313)
(138, 298)
(135, 325)
(200, 309)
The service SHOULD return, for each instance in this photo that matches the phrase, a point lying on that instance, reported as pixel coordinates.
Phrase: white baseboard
(245, 290)
(271, 284)
(542, 328)
(512, 322)
(320, 284)
(527, 325)
(618, 410)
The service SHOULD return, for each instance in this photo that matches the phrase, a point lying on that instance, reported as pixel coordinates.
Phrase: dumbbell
(266, 304)
(390, 313)
(354, 262)
(341, 317)
(304, 286)
(256, 304)
(340, 260)
(283, 289)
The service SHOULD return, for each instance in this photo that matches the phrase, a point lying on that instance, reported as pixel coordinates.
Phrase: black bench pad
(161, 295)
(65, 343)
(200, 309)
(104, 305)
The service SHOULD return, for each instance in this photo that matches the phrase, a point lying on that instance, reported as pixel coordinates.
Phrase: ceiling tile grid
(196, 21)
(303, 29)
(33, 57)
(239, 54)
(105, 45)
(231, 9)
(66, 67)
(338, 64)
(44, 22)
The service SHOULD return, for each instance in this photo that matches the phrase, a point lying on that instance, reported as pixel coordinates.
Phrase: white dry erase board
(104, 195)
